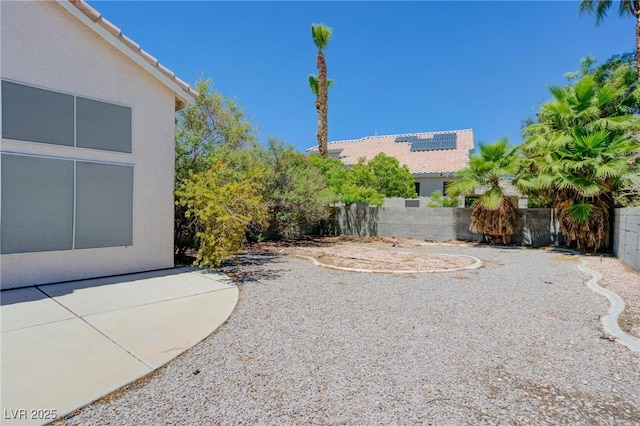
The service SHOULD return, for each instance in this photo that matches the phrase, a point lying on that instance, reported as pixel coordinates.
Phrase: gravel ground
(517, 341)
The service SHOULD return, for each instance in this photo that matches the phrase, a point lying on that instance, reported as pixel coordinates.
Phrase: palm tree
(321, 34)
(627, 7)
(580, 158)
(493, 213)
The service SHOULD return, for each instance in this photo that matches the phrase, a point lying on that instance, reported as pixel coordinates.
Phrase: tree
(214, 121)
(213, 124)
(619, 71)
(581, 158)
(493, 213)
(321, 34)
(389, 178)
(295, 191)
(366, 182)
(626, 7)
(346, 183)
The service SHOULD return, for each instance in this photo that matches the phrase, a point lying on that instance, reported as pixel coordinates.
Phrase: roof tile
(107, 25)
(130, 43)
(148, 57)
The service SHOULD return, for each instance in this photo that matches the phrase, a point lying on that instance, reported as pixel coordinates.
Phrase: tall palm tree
(321, 34)
(580, 158)
(627, 7)
(493, 213)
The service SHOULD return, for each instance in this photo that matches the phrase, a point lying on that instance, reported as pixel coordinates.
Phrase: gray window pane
(104, 205)
(37, 204)
(36, 115)
(100, 125)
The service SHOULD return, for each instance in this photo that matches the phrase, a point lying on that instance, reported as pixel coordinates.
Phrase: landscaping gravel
(517, 341)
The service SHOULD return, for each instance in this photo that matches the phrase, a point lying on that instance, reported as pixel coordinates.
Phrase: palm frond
(558, 92)
(584, 187)
(321, 35)
(580, 212)
(461, 187)
(313, 83)
(584, 91)
(627, 7)
(623, 122)
(492, 198)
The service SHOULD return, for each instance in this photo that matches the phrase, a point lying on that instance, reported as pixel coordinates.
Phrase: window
(417, 184)
(104, 205)
(37, 204)
(100, 125)
(38, 115)
(444, 187)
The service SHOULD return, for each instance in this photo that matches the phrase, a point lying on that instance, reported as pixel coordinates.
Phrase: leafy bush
(367, 183)
(437, 200)
(221, 203)
(390, 178)
(212, 125)
(227, 185)
(295, 191)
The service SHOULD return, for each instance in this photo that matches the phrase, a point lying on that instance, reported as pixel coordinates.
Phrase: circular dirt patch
(381, 259)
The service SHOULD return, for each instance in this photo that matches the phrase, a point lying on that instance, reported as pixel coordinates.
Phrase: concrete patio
(65, 345)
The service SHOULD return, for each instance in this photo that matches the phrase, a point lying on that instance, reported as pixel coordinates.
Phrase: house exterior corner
(87, 153)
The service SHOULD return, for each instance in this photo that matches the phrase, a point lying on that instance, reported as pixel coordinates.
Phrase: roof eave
(434, 174)
(184, 95)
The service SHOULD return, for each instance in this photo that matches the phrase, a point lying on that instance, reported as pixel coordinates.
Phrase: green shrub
(222, 203)
(296, 191)
(437, 200)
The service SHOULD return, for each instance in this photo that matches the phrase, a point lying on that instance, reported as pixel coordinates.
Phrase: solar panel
(445, 140)
(421, 145)
(406, 138)
(439, 141)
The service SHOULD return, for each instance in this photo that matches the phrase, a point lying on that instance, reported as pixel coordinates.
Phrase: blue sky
(399, 67)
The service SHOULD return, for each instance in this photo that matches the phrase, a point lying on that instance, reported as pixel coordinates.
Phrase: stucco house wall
(45, 46)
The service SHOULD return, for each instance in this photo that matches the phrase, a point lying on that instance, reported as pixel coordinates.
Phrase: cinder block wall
(416, 222)
(406, 222)
(626, 236)
(539, 227)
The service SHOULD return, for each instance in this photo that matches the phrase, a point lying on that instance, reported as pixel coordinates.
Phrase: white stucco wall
(43, 45)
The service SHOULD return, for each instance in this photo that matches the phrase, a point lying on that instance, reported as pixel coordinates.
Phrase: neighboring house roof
(424, 153)
(184, 95)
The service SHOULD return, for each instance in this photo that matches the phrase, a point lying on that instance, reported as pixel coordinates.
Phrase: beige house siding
(44, 46)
